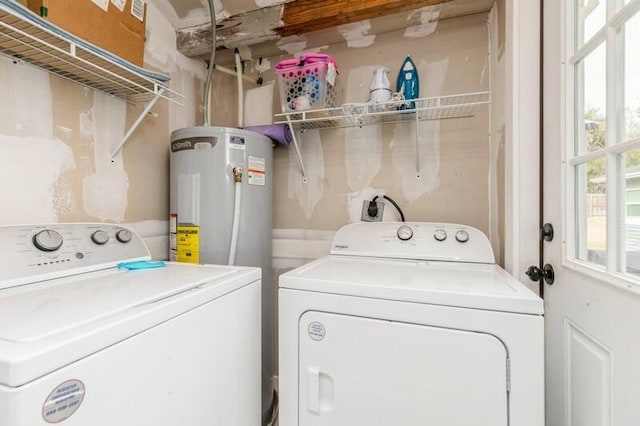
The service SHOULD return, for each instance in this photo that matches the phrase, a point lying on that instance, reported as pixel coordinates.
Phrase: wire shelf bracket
(296, 147)
(135, 125)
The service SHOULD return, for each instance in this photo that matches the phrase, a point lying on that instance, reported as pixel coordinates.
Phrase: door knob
(536, 274)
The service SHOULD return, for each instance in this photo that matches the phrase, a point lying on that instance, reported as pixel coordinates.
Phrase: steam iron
(408, 83)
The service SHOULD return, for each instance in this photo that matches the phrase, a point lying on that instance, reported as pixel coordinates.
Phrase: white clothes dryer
(86, 341)
(409, 324)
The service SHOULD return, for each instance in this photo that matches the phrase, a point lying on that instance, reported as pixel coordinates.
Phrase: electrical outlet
(365, 212)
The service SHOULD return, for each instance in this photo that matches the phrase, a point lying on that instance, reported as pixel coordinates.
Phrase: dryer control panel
(414, 240)
(32, 253)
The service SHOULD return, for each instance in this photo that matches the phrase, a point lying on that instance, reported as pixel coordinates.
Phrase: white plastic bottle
(380, 89)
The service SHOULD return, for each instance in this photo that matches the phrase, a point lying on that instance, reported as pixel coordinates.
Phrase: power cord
(372, 209)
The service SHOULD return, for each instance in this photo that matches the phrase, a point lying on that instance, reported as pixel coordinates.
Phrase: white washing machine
(86, 342)
(409, 324)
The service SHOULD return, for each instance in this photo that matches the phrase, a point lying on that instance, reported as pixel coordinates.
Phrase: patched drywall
(363, 146)
(57, 138)
(427, 22)
(187, 75)
(293, 45)
(36, 191)
(104, 192)
(357, 34)
(34, 161)
(443, 175)
(309, 193)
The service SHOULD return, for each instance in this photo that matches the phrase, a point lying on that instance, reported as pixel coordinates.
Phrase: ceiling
(278, 26)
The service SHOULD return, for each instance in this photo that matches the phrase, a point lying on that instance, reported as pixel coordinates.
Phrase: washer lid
(53, 323)
(466, 285)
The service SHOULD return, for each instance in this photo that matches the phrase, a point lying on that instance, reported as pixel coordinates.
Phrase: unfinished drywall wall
(460, 164)
(57, 137)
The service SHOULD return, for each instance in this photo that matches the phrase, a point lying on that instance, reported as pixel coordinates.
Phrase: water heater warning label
(257, 172)
(188, 244)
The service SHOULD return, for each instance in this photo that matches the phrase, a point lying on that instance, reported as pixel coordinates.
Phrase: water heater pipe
(239, 73)
(212, 64)
(233, 247)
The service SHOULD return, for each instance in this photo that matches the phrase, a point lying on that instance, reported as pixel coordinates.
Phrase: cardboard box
(119, 32)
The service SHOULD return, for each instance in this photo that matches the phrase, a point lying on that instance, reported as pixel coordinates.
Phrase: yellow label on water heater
(188, 237)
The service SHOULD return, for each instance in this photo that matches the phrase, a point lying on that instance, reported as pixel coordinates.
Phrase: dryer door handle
(319, 391)
(313, 389)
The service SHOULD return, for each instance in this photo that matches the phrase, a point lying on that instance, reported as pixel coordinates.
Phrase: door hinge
(508, 375)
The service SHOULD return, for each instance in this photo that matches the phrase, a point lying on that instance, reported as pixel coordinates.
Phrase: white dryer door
(360, 371)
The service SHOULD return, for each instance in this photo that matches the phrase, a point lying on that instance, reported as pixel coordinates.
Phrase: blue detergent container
(408, 83)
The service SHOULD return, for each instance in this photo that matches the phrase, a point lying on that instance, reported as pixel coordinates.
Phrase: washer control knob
(100, 237)
(440, 235)
(47, 240)
(405, 233)
(462, 236)
(124, 235)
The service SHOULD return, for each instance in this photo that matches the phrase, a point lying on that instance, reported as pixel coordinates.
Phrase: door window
(603, 167)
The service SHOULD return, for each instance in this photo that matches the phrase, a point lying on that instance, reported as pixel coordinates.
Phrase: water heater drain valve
(237, 173)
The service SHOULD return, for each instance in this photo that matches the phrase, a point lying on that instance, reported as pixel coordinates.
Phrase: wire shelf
(358, 115)
(28, 42)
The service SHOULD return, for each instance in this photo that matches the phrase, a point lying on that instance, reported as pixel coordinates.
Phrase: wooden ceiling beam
(303, 16)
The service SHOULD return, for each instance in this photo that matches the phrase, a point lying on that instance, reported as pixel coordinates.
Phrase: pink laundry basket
(308, 82)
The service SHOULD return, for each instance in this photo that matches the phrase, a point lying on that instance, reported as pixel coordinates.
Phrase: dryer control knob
(124, 235)
(462, 236)
(440, 235)
(100, 237)
(405, 233)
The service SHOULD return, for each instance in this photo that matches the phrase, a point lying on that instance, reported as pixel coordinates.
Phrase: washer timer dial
(47, 240)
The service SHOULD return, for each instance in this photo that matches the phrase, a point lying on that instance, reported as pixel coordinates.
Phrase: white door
(591, 151)
(362, 371)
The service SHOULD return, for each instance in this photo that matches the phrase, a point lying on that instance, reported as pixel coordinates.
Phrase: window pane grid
(605, 156)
